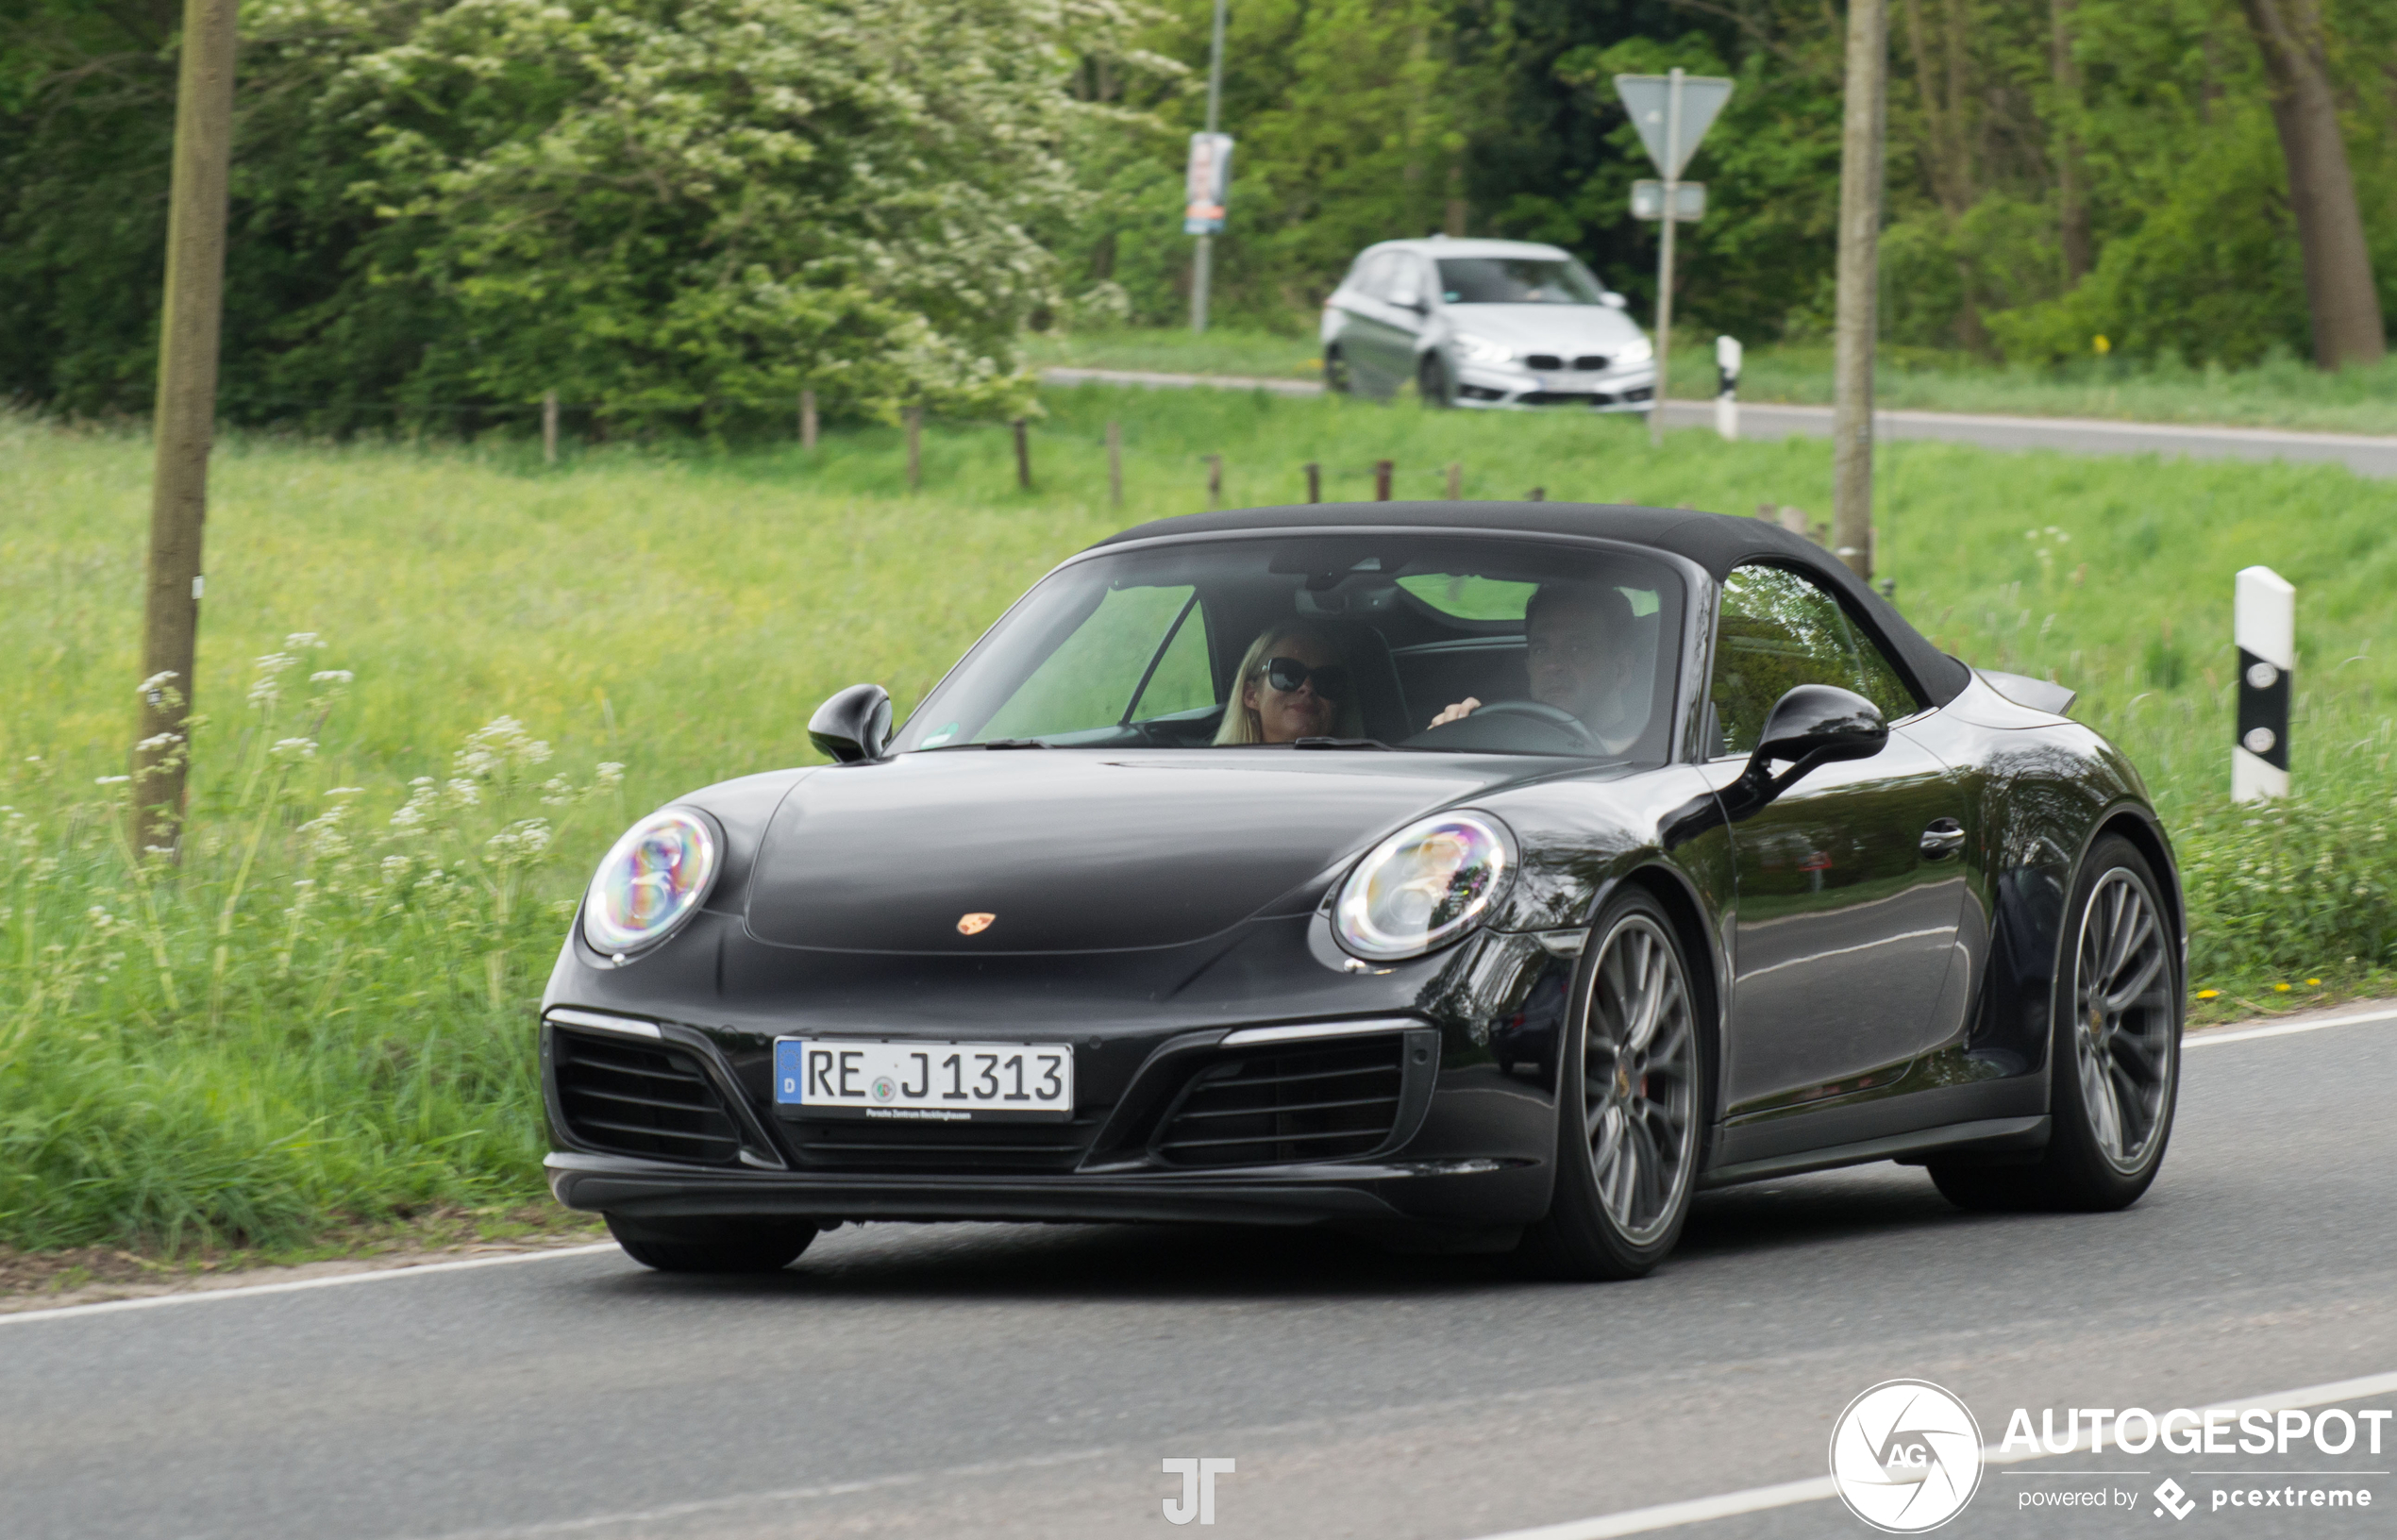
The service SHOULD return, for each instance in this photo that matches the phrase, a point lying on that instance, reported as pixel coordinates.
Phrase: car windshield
(1517, 281)
(1443, 642)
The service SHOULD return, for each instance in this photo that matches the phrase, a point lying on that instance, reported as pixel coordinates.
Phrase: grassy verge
(2283, 393)
(437, 679)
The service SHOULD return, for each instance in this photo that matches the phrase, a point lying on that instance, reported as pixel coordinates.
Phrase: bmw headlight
(1474, 349)
(651, 882)
(1638, 350)
(1424, 886)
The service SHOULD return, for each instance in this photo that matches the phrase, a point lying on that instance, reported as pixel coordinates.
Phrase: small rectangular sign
(1207, 184)
(1690, 201)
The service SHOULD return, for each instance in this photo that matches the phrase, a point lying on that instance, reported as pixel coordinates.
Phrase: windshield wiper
(1014, 743)
(1340, 743)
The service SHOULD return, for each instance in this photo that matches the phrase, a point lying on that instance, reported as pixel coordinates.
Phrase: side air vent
(642, 1098)
(955, 1149)
(1271, 1106)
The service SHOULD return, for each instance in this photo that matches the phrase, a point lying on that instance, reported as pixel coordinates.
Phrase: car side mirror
(853, 725)
(1813, 724)
(1613, 301)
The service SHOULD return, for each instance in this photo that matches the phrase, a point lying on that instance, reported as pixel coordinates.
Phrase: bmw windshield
(1421, 642)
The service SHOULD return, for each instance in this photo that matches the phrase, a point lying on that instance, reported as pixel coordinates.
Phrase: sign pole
(1202, 261)
(2264, 623)
(183, 423)
(1664, 256)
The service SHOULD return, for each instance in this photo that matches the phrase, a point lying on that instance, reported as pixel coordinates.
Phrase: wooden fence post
(1023, 456)
(1456, 481)
(1380, 480)
(1315, 482)
(1537, 495)
(1215, 480)
(1116, 465)
(807, 419)
(550, 428)
(914, 419)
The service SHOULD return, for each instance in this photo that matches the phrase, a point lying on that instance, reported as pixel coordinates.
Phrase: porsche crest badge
(974, 925)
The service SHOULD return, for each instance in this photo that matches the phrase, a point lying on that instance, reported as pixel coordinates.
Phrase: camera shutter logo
(1905, 1456)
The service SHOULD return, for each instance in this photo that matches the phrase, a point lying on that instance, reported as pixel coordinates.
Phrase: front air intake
(1273, 1106)
(642, 1098)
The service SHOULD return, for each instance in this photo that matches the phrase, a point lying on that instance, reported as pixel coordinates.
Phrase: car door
(1850, 885)
(1380, 352)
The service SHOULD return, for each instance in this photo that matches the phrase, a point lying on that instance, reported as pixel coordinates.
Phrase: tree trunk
(2071, 205)
(2345, 306)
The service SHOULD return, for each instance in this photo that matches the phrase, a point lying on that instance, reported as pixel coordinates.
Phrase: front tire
(1631, 1098)
(2114, 1061)
(713, 1244)
(1431, 381)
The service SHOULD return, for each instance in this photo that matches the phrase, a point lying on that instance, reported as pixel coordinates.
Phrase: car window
(1568, 647)
(1405, 282)
(1093, 673)
(1373, 279)
(1517, 280)
(1779, 629)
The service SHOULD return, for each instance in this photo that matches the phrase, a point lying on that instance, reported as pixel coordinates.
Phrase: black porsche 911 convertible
(1475, 875)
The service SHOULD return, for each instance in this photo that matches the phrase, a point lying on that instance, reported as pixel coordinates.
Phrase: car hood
(1547, 328)
(1071, 850)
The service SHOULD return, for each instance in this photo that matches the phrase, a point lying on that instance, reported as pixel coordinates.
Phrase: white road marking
(246, 1291)
(2246, 1035)
(1669, 1515)
(788, 1494)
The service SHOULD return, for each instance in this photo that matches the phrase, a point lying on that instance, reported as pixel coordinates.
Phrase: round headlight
(1424, 886)
(651, 882)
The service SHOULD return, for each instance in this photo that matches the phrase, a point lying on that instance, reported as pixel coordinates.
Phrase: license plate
(925, 1082)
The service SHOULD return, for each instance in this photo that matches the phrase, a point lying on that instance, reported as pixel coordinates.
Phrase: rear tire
(2114, 1055)
(713, 1244)
(1631, 1098)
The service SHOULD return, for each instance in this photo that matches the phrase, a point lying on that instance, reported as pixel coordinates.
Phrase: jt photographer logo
(1198, 1499)
(1905, 1456)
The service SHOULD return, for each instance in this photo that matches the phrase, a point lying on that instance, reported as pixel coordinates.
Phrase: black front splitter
(1371, 1196)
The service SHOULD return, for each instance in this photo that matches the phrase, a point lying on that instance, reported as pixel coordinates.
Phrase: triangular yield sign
(1647, 98)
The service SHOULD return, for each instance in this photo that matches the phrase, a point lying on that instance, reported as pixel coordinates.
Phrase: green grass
(1259, 355)
(323, 1018)
(2282, 392)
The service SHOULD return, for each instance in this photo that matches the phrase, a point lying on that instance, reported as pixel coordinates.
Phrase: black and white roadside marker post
(1727, 356)
(2264, 623)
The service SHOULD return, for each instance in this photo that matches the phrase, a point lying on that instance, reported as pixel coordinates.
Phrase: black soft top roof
(1716, 541)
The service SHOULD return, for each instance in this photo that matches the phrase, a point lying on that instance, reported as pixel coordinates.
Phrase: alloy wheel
(1639, 1079)
(2123, 1036)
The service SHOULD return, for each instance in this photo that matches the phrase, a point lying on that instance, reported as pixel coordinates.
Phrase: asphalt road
(2364, 454)
(968, 1380)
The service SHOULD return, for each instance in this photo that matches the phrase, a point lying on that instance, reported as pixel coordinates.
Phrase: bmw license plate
(925, 1082)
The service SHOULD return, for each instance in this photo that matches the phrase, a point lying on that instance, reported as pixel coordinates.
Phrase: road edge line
(2248, 1035)
(1668, 1515)
(242, 1291)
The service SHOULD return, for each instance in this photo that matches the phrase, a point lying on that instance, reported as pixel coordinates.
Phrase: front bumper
(1444, 1193)
(1507, 389)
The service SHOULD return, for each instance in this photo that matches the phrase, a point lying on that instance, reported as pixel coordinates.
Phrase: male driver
(1577, 649)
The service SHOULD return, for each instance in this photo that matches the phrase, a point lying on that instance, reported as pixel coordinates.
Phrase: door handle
(1944, 837)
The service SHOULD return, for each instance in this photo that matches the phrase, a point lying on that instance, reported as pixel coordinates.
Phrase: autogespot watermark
(1906, 1456)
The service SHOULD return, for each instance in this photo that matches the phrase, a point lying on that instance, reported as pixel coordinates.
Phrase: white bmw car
(1485, 324)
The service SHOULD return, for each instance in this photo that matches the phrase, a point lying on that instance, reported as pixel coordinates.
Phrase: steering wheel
(1563, 721)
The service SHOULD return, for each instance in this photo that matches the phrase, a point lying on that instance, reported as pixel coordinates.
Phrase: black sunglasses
(1288, 674)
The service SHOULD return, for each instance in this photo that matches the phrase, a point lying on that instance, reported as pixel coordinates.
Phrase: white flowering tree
(713, 203)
